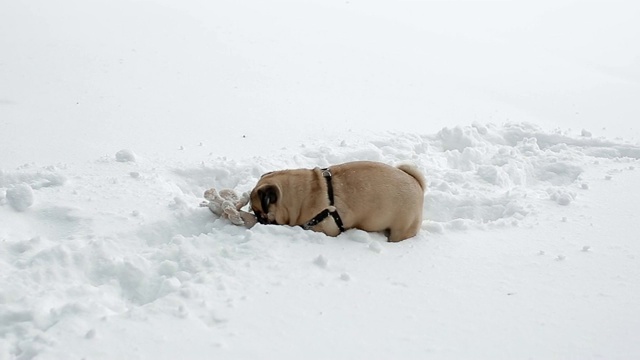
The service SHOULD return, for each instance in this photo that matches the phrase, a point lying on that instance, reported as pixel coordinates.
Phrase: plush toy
(227, 204)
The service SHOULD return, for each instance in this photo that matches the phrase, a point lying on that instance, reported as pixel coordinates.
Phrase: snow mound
(125, 155)
(20, 197)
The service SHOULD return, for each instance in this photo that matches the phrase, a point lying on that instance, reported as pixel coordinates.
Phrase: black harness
(331, 210)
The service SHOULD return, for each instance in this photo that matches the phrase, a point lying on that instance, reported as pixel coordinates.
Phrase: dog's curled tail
(414, 172)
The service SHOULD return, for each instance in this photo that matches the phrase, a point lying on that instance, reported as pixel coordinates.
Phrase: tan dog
(365, 195)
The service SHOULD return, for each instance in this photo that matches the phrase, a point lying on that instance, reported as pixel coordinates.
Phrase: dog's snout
(261, 217)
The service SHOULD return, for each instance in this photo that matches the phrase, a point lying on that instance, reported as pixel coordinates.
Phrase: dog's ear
(268, 195)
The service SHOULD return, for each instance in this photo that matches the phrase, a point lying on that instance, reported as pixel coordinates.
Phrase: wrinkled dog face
(264, 199)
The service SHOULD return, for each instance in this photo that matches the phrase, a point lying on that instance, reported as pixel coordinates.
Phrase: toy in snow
(227, 204)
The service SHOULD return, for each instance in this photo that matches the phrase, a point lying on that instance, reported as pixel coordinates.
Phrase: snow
(126, 155)
(109, 265)
(20, 197)
(522, 116)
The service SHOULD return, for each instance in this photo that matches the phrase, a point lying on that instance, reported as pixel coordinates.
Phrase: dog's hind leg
(395, 236)
(399, 234)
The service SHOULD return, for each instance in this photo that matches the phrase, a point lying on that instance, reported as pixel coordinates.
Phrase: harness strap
(331, 210)
(327, 175)
(337, 219)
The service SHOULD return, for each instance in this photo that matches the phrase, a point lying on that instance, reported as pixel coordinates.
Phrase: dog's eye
(268, 195)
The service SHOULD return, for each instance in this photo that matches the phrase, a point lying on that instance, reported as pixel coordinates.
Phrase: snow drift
(116, 259)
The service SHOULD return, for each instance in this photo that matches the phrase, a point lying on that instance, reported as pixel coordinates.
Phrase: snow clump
(125, 155)
(20, 197)
(561, 196)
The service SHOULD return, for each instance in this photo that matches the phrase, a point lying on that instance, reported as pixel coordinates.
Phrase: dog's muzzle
(262, 218)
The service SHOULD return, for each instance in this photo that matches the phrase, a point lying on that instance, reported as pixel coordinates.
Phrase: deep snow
(523, 117)
(528, 249)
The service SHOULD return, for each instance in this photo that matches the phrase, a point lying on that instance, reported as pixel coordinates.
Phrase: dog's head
(264, 201)
(282, 197)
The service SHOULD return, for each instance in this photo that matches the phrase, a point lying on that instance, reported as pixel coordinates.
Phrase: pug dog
(365, 195)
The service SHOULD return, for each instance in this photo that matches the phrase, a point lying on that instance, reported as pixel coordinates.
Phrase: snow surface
(523, 117)
(111, 265)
